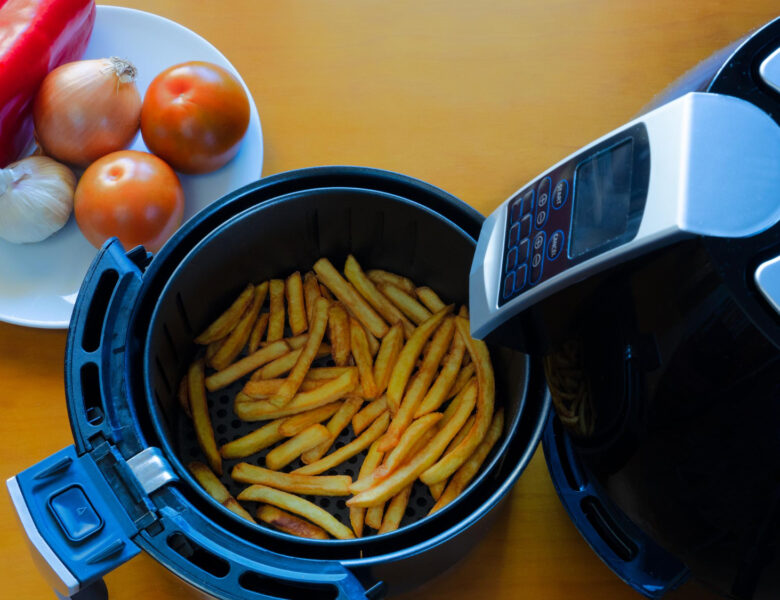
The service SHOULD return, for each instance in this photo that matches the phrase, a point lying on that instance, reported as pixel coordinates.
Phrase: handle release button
(75, 513)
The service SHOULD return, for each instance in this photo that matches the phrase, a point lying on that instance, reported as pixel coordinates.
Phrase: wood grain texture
(475, 97)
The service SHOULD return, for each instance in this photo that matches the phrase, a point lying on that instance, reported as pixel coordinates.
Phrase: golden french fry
(379, 276)
(338, 332)
(362, 356)
(287, 452)
(464, 312)
(264, 388)
(464, 431)
(408, 440)
(261, 438)
(330, 391)
(311, 291)
(297, 423)
(276, 310)
(436, 489)
(183, 396)
(374, 297)
(374, 515)
(406, 303)
(296, 310)
(408, 472)
(408, 357)
(308, 352)
(212, 349)
(422, 381)
(326, 293)
(395, 510)
(294, 342)
(216, 489)
(236, 340)
(257, 332)
(336, 424)
(298, 506)
(310, 485)
(466, 472)
(284, 521)
(347, 451)
(277, 367)
(346, 293)
(430, 299)
(370, 462)
(485, 403)
(201, 420)
(319, 373)
(228, 319)
(368, 415)
(246, 365)
(465, 375)
(387, 356)
(445, 380)
(373, 343)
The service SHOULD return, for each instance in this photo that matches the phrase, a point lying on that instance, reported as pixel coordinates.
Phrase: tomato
(194, 116)
(132, 195)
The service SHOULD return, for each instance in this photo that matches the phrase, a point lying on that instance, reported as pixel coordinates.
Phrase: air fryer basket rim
(218, 231)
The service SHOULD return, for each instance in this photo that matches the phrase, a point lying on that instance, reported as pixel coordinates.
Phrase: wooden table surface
(473, 96)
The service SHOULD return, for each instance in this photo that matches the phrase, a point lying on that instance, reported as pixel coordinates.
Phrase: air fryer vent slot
(286, 590)
(93, 327)
(608, 529)
(201, 558)
(90, 393)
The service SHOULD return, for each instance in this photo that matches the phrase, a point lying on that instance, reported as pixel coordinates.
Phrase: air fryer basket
(273, 239)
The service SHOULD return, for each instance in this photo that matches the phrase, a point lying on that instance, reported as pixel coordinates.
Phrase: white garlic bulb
(36, 199)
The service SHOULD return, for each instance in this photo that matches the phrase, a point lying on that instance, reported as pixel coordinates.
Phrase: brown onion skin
(109, 121)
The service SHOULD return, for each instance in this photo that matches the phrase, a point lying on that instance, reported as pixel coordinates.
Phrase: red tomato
(132, 195)
(194, 116)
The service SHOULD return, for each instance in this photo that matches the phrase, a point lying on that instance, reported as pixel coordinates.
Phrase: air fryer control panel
(582, 207)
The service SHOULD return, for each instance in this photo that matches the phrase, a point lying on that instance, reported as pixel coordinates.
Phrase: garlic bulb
(36, 199)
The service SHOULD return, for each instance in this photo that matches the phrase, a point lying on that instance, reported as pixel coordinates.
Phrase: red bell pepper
(36, 36)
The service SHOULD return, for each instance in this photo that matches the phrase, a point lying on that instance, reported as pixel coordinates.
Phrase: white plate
(39, 282)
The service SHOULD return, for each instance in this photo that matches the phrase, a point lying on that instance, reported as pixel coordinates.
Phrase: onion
(87, 109)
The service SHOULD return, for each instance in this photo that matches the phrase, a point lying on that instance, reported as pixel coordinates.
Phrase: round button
(555, 245)
(560, 194)
(538, 241)
(541, 217)
(536, 260)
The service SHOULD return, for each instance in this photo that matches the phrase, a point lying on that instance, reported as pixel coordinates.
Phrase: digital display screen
(602, 198)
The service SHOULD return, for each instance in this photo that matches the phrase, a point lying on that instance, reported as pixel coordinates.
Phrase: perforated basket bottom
(228, 427)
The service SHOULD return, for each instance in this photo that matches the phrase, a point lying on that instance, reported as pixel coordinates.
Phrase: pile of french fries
(416, 389)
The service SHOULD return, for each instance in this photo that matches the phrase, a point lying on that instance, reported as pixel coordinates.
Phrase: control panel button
(541, 217)
(542, 202)
(537, 257)
(514, 235)
(528, 202)
(75, 514)
(516, 210)
(560, 194)
(522, 251)
(555, 245)
(511, 259)
(525, 227)
(509, 284)
(520, 278)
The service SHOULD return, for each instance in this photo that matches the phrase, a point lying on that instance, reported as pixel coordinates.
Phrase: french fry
(319, 373)
(228, 319)
(466, 472)
(346, 293)
(370, 462)
(264, 388)
(406, 303)
(294, 342)
(464, 312)
(408, 440)
(296, 310)
(330, 391)
(430, 299)
(278, 366)
(246, 365)
(236, 340)
(347, 451)
(258, 331)
(310, 485)
(387, 356)
(464, 376)
(461, 434)
(336, 424)
(408, 357)
(445, 380)
(212, 349)
(362, 356)
(183, 395)
(284, 521)
(276, 310)
(297, 423)
(374, 297)
(373, 343)
(308, 352)
(368, 415)
(216, 489)
(374, 515)
(201, 420)
(379, 276)
(408, 472)
(326, 293)
(436, 489)
(422, 380)
(485, 403)
(339, 333)
(287, 452)
(298, 506)
(311, 291)
(395, 510)
(261, 438)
